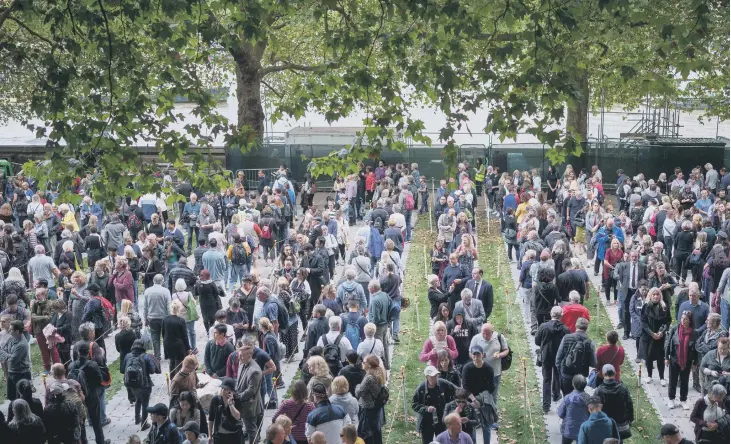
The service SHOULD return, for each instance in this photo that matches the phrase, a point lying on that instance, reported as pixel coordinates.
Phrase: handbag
(539, 358)
(625, 431)
(146, 338)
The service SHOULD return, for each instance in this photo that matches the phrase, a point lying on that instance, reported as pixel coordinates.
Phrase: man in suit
(481, 290)
(630, 274)
(474, 312)
(247, 387)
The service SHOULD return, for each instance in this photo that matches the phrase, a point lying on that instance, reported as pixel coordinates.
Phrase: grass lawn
(519, 422)
(401, 428)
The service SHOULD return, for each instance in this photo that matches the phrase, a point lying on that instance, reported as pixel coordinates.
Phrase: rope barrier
(525, 398)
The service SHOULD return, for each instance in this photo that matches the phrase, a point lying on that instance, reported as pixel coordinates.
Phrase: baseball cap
(668, 430)
(319, 389)
(191, 426)
(158, 409)
(228, 384)
(430, 370)
(477, 349)
(608, 369)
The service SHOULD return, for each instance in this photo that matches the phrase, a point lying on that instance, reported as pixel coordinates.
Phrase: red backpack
(108, 308)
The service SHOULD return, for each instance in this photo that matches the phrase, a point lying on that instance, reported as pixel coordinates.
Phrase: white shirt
(344, 345)
(366, 347)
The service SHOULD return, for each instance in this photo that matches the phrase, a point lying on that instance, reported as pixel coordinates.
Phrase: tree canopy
(103, 74)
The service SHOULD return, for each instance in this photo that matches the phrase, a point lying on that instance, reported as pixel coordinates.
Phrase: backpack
(282, 315)
(620, 192)
(134, 222)
(507, 361)
(292, 304)
(349, 295)
(352, 330)
(238, 254)
(378, 224)
(408, 201)
(107, 307)
(636, 215)
(78, 375)
(266, 231)
(135, 372)
(574, 360)
(331, 353)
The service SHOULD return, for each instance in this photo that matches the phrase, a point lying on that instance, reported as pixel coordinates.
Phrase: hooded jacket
(617, 401)
(548, 337)
(354, 373)
(462, 337)
(355, 291)
(574, 413)
(597, 428)
(152, 366)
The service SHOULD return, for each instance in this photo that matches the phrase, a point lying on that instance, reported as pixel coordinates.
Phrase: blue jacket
(375, 243)
(601, 239)
(573, 411)
(597, 428)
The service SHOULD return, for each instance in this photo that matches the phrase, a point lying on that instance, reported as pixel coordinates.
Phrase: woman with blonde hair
(438, 341)
(318, 368)
(390, 256)
(155, 226)
(656, 320)
(29, 234)
(123, 341)
(175, 337)
(341, 396)
(466, 252)
(372, 396)
(68, 217)
(14, 284)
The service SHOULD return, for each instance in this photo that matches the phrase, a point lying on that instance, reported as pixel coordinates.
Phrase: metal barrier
(251, 176)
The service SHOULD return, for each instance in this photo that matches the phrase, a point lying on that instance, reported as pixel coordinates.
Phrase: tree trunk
(577, 121)
(248, 93)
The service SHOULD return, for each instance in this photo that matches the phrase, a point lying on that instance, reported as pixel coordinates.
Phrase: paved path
(655, 392)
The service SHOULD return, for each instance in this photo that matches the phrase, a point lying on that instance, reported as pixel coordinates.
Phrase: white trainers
(648, 380)
(670, 403)
(663, 382)
(685, 405)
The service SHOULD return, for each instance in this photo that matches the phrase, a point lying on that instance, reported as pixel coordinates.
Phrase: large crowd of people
(147, 274)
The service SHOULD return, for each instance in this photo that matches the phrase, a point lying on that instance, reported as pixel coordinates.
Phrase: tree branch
(271, 88)
(6, 13)
(287, 66)
(30, 31)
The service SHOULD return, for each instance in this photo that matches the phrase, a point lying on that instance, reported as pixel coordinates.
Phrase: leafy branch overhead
(103, 75)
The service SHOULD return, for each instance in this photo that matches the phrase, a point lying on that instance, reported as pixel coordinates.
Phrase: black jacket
(485, 295)
(567, 343)
(436, 298)
(617, 401)
(545, 297)
(684, 242)
(63, 422)
(477, 380)
(175, 337)
(462, 337)
(354, 373)
(438, 397)
(548, 337)
(316, 328)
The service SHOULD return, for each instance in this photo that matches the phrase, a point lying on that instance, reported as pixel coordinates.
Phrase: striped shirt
(289, 408)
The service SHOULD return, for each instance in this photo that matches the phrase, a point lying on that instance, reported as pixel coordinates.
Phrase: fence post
(525, 388)
(426, 270)
(639, 385)
(403, 392)
(507, 311)
(416, 308)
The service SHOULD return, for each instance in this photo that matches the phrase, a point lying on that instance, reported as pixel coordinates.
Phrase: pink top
(430, 354)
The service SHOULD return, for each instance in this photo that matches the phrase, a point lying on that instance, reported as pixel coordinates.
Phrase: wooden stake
(507, 311)
(403, 392)
(426, 270)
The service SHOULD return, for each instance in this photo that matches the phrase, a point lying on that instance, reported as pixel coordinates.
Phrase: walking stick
(507, 311)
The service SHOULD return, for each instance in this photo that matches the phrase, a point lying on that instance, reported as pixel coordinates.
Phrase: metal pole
(434, 196)
(403, 391)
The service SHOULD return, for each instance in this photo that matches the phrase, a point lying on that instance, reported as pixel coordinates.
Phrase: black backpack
(78, 375)
(378, 224)
(282, 315)
(238, 254)
(331, 353)
(135, 374)
(574, 360)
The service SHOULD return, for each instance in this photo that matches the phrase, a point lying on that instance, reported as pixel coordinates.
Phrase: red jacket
(571, 313)
(370, 181)
(123, 286)
(610, 354)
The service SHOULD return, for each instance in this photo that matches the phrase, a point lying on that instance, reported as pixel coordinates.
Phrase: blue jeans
(268, 387)
(396, 325)
(724, 313)
(191, 333)
(238, 272)
(620, 307)
(407, 216)
(103, 404)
